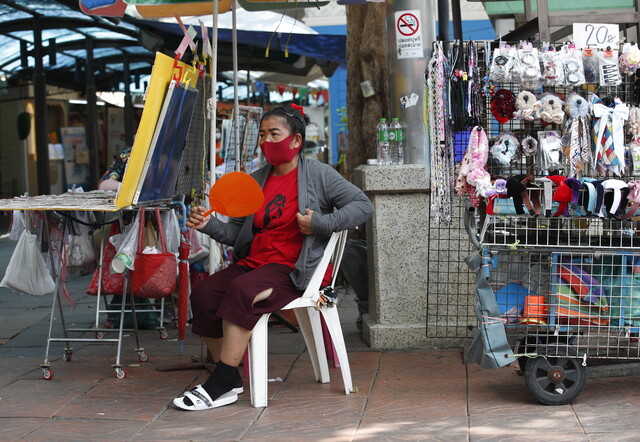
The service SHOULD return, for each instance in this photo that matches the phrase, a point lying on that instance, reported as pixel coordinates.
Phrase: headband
(634, 197)
(562, 195)
(618, 189)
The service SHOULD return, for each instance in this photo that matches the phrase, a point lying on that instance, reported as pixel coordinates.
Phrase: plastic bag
(198, 245)
(17, 225)
(80, 251)
(27, 271)
(572, 65)
(126, 245)
(171, 230)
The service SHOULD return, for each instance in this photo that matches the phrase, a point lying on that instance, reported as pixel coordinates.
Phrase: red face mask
(279, 153)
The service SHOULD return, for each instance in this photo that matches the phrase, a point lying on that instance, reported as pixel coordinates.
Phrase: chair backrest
(332, 254)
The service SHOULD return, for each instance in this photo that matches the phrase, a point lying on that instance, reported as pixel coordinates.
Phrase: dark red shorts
(229, 294)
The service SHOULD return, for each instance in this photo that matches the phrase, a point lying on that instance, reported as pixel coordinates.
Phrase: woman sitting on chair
(275, 251)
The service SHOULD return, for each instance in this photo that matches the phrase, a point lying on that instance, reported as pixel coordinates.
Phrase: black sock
(221, 381)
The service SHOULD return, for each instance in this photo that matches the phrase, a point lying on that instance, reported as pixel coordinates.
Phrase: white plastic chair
(310, 325)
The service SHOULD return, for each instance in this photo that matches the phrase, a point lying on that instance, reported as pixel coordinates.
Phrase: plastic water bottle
(396, 142)
(383, 142)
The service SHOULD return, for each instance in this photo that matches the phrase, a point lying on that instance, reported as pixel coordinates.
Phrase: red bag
(112, 283)
(155, 273)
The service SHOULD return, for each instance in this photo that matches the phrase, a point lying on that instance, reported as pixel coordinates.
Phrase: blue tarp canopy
(66, 30)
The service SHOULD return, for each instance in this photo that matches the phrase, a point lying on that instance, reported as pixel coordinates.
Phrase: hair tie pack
(529, 146)
(505, 148)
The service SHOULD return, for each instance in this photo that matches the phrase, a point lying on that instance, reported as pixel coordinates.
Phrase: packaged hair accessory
(608, 67)
(590, 62)
(630, 59)
(572, 65)
(529, 66)
(502, 63)
(552, 71)
(550, 150)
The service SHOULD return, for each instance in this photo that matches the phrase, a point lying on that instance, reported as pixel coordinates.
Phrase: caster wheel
(163, 334)
(47, 374)
(99, 335)
(143, 356)
(120, 373)
(555, 380)
(67, 356)
(108, 324)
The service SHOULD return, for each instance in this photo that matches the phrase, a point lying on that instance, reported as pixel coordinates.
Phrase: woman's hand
(196, 220)
(304, 222)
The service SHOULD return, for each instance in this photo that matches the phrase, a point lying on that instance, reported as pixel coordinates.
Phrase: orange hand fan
(236, 194)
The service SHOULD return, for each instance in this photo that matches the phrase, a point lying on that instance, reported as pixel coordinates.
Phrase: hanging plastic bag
(80, 251)
(17, 225)
(171, 230)
(27, 271)
(198, 246)
(126, 245)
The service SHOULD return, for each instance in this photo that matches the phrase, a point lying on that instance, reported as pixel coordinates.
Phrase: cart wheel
(163, 334)
(99, 335)
(120, 373)
(47, 374)
(143, 356)
(555, 380)
(67, 356)
(108, 324)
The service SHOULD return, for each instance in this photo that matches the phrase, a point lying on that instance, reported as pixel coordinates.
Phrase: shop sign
(595, 35)
(408, 34)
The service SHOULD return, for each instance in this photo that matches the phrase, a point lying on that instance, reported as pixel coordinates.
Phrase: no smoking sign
(408, 35)
(407, 24)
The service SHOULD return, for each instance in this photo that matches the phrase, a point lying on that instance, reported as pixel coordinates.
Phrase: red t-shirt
(278, 239)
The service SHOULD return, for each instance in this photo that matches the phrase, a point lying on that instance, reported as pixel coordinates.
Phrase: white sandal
(202, 401)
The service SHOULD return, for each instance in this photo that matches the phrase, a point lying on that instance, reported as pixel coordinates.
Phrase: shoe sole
(238, 390)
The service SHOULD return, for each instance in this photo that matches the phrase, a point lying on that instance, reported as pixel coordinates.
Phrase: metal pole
(236, 106)
(456, 17)
(213, 118)
(92, 118)
(128, 104)
(443, 20)
(406, 75)
(40, 108)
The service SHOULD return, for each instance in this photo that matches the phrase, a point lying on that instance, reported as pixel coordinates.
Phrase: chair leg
(258, 351)
(309, 323)
(335, 330)
(329, 348)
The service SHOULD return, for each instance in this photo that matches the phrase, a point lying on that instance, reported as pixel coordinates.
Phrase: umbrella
(173, 8)
(183, 284)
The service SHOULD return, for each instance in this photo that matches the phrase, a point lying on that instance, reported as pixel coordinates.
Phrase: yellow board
(161, 75)
(183, 9)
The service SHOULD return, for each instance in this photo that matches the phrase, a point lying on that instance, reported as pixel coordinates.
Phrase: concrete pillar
(406, 75)
(406, 270)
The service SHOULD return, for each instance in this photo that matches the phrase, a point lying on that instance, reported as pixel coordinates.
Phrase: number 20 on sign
(595, 35)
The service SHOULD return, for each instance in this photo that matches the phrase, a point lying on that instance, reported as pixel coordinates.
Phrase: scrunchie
(505, 148)
(529, 146)
(503, 105)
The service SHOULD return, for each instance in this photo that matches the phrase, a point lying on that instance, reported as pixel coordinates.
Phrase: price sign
(595, 35)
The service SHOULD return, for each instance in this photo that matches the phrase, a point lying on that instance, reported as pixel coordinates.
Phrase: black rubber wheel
(555, 380)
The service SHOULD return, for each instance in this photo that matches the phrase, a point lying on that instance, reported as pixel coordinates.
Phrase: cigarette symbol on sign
(408, 24)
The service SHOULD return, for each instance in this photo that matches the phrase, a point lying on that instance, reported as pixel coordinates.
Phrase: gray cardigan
(321, 189)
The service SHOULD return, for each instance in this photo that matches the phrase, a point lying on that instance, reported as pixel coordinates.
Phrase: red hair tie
(298, 108)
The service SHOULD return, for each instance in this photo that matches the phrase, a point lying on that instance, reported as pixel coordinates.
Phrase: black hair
(294, 119)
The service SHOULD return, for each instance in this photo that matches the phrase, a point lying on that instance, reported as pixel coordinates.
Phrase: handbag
(112, 283)
(155, 273)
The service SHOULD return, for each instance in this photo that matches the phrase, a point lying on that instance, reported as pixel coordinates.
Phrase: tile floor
(424, 394)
